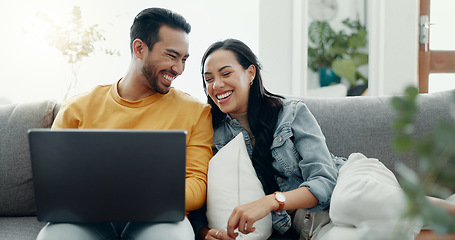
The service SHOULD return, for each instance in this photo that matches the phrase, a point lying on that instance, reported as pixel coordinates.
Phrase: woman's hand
(244, 216)
(217, 234)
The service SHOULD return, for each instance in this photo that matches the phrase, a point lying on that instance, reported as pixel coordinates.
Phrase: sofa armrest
(16, 186)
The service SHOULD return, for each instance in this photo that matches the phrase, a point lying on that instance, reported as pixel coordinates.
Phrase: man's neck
(132, 87)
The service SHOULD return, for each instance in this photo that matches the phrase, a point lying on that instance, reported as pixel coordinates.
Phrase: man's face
(166, 60)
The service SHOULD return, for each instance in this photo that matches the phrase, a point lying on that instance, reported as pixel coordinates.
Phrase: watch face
(280, 197)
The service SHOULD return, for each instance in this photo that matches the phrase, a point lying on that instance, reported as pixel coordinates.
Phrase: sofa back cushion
(363, 124)
(16, 186)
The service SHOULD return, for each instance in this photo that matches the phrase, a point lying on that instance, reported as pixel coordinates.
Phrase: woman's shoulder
(292, 109)
(293, 99)
(292, 104)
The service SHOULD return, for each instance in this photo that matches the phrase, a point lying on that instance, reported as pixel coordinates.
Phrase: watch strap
(281, 203)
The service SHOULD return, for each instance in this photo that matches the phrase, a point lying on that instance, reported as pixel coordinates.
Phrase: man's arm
(66, 118)
(199, 153)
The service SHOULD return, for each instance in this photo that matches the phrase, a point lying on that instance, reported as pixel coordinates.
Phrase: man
(144, 99)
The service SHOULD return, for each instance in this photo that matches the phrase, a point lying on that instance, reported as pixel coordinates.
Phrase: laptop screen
(88, 175)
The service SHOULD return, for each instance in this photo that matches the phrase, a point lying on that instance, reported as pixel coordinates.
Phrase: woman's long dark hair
(263, 110)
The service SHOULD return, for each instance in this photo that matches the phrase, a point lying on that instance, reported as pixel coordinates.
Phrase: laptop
(88, 175)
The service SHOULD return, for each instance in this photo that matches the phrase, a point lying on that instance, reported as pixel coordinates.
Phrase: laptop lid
(87, 175)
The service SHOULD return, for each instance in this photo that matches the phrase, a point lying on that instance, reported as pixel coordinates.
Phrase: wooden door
(431, 61)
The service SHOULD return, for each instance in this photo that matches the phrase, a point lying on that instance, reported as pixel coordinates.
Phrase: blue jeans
(124, 231)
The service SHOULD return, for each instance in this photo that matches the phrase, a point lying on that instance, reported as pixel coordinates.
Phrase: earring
(251, 83)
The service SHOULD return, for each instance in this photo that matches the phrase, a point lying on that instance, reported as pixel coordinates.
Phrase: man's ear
(138, 48)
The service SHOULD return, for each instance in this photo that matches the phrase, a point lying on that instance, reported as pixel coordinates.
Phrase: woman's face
(227, 82)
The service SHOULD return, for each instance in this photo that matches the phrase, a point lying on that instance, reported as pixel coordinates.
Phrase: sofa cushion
(24, 228)
(339, 233)
(232, 181)
(16, 186)
(372, 187)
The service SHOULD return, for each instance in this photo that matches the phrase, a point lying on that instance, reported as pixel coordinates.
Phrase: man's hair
(147, 24)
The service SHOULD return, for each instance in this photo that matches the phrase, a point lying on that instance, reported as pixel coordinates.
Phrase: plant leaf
(320, 33)
(360, 58)
(345, 68)
(358, 39)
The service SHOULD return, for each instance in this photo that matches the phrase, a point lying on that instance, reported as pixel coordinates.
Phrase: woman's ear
(252, 71)
(138, 48)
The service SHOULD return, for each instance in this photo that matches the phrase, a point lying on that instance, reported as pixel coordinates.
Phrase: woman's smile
(223, 97)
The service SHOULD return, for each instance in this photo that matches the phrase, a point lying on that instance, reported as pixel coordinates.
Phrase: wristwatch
(281, 199)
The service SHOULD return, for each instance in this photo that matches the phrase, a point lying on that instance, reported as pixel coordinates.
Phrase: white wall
(275, 44)
(393, 35)
(283, 45)
(401, 45)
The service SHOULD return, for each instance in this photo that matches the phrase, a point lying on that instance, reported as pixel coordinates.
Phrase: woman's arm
(317, 167)
(299, 198)
(448, 206)
(244, 216)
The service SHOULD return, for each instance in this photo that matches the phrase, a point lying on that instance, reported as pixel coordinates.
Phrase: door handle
(425, 30)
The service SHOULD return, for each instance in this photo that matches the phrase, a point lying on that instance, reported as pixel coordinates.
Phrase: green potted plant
(338, 52)
(435, 154)
(321, 37)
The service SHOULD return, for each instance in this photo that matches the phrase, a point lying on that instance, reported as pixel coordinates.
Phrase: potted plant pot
(327, 76)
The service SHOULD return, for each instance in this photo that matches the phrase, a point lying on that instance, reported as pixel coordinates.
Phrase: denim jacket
(299, 153)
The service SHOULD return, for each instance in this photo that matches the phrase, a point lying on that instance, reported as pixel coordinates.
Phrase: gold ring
(216, 234)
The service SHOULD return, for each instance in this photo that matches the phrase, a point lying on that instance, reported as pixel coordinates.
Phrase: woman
(284, 141)
(290, 156)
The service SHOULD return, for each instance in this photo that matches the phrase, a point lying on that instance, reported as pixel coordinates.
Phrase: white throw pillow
(232, 181)
(366, 190)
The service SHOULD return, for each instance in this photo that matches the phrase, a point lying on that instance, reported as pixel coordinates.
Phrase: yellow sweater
(104, 108)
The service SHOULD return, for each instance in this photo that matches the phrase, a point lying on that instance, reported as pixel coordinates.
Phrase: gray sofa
(354, 124)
